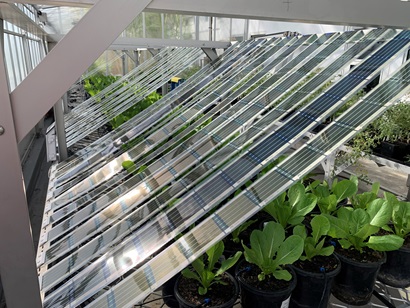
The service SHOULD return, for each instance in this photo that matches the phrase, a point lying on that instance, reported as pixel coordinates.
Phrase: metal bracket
(210, 53)
(51, 144)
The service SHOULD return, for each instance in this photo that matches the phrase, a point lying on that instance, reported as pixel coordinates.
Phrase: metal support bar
(60, 127)
(368, 13)
(65, 103)
(133, 56)
(210, 53)
(93, 24)
(153, 51)
(408, 185)
(124, 64)
(17, 257)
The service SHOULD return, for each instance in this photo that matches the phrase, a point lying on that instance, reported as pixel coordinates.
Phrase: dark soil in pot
(269, 293)
(219, 296)
(396, 271)
(314, 281)
(355, 282)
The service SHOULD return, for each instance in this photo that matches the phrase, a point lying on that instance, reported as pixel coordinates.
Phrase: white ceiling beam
(79, 48)
(127, 43)
(388, 13)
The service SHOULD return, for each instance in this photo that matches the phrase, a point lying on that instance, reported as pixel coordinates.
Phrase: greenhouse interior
(211, 153)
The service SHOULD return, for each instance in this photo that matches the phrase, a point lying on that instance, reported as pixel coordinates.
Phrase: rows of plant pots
(312, 241)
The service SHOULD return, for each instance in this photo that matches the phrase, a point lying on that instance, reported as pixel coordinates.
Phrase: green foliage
(400, 216)
(205, 270)
(270, 251)
(290, 208)
(132, 168)
(98, 82)
(329, 196)
(394, 124)
(358, 228)
(240, 229)
(314, 244)
(135, 109)
(362, 200)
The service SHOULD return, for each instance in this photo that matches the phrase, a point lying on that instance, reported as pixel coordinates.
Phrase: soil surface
(367, 256)
(251, 278)
(218, 294)
(318, 264)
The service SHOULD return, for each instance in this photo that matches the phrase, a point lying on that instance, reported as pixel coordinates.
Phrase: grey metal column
(60, 130)
(17, 258)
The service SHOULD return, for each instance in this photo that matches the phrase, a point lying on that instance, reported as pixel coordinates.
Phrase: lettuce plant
(328, 197)
(400, 216)
(290, 208)
(358, 227)
(205, 269)
(270, 251)
(314, 245)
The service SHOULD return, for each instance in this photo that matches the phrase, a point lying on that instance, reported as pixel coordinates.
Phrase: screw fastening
(1, 130)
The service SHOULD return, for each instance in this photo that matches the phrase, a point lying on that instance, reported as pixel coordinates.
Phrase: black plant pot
(312, 289)
(168, 293)
(396, 271)
(251, 297)
(183, 303)
(355, 283)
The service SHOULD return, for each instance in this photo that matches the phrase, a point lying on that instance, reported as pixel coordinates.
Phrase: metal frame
(366, 12)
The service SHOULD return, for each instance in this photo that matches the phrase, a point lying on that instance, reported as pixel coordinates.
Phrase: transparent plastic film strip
(60, 246)
(219, 182)
(214, 228)
(166, 103)
(201, 120)
(174, 125)
(134, 125)
(199, 153)
(92, 119)
(106, 104)
(168, 221)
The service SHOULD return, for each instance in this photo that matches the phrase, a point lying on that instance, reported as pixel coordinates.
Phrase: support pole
(17, 256)
(60, 130)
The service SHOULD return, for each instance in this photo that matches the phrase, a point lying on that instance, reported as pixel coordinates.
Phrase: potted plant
(316, 268)
(396, 271)
(360, 249)
(291, 207)
(264, 279)
(392, 130)
(206, 284)
(330, 196)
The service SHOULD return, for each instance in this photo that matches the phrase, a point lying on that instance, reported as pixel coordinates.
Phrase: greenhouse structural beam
(52, 68)
(129, 43)
(210, 53)
(17, 257)
(348, 12)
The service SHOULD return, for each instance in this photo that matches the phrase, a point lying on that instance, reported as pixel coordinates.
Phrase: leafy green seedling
(291, 207)
(360, 201)
(329, 197)
(400, 216)
(314, 244)
(208, 274)
(270, 251)
(358, 228)
(240, 229)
